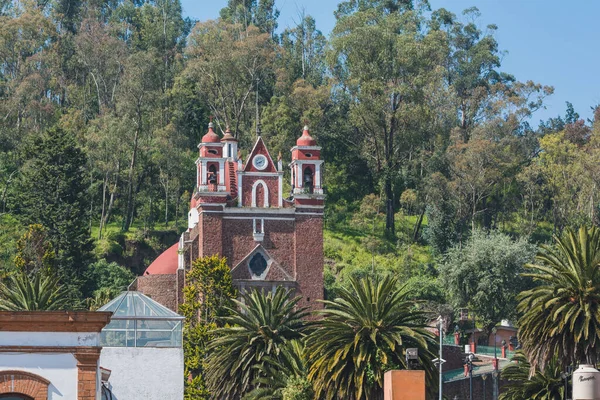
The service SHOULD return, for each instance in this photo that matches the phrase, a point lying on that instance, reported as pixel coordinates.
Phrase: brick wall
(272, 183)
(309, 259)
(162, 288)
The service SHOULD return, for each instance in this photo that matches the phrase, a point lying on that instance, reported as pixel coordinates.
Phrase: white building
(142, 350)
(50, 355)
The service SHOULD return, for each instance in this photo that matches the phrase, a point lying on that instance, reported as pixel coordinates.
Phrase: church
(239, 211)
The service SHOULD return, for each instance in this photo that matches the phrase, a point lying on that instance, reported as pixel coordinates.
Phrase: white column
(203, 173)
(221, 172)
(280, 201)
(318, 175)
(239, 193)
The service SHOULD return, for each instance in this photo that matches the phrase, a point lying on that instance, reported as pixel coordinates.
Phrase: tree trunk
(111, 202)
(390, 225)
(418, 225)
(104, 185)
(129, 209)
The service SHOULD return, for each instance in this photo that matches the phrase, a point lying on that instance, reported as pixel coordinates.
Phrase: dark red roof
(166, 263)
(211, 136)
(306, 139)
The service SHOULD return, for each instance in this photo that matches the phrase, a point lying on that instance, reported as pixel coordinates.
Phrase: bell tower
(211, 163)
(306, 168)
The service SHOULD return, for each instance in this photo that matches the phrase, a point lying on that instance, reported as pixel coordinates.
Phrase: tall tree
(54, 194)
(228, 79)
(385, 61)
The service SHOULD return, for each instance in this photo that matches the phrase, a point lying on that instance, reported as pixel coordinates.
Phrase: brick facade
(162, 288)
(267, 240)
(24, 383)
(87, 378)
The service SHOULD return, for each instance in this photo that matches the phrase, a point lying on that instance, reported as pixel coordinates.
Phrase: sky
(550, 42)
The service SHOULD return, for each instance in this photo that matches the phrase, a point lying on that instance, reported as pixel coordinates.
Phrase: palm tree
(542, 385)
(562, 314)
(365, 332)
(283, 375)
(256, 330)
(38, 293)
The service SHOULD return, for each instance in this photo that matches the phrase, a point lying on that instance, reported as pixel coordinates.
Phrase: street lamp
(484, 377)
(495, 374)
(469, 362)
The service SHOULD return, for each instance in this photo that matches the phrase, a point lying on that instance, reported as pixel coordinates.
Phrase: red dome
(211, 136)
(166, 263)
(193, 202)
(306, 139)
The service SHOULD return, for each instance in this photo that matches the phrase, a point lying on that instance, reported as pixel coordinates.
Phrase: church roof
(306, 139)
(211, 136)
(166, 263)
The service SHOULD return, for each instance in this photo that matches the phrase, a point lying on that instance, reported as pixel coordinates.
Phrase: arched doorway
(15, 396)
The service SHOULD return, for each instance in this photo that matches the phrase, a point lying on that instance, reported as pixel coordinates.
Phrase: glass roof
(135, 305)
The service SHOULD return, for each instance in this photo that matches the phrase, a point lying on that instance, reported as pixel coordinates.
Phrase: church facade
(239, 211)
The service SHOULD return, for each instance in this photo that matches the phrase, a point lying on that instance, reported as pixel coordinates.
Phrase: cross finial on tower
(210, 124)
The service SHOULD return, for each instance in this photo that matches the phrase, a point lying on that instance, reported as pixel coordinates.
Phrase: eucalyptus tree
(386, 61)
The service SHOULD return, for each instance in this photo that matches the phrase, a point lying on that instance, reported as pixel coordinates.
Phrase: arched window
(212, 175)
(260, 194)
(308, 180)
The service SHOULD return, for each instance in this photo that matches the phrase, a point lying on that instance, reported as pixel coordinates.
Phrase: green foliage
(208, 289)
(40, 292)
(283, 377)
(10, 232)
(365, 332)
(542, 385)
(561, 315)
(109, 278)
(482, 274)
(258, 328)
(57, 164)
(34, 252)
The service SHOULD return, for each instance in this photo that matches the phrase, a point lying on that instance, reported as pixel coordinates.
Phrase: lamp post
(495, 373)
(469, 362)
(483, 378)
(439, 361)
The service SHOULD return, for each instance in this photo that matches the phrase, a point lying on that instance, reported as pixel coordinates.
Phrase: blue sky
(548, 41)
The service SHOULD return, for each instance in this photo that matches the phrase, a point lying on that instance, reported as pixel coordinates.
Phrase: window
(258, 265)
(212, 175)
(308, 180)
(14, 396)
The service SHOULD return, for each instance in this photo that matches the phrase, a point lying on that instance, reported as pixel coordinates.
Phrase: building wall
(140, 373)
(309, 259)
(162, 288)
(278, 240)
(59, 368)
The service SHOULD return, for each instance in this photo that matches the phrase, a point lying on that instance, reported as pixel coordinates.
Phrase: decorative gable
(258, 265)
(260, 160)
